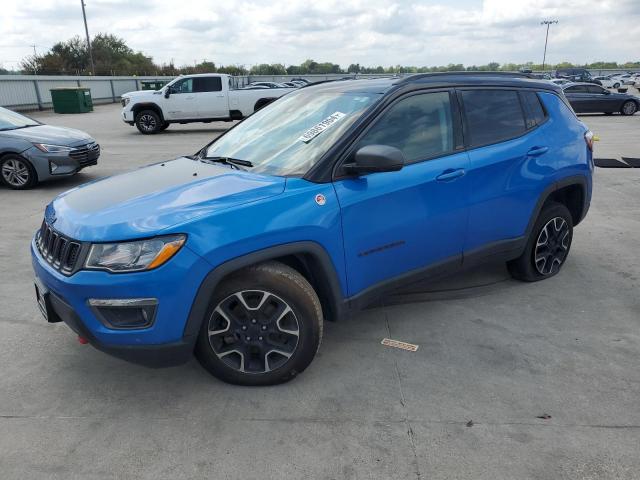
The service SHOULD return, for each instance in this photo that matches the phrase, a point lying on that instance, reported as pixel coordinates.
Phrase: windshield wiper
(16, 128)
(236, 162)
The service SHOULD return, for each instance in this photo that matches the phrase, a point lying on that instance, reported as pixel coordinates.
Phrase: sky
(369, 32)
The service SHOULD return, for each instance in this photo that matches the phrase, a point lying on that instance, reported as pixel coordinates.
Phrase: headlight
(125, 101)
(134, 256)
(44, 147)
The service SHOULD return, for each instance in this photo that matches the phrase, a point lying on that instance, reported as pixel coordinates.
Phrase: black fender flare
(208, 285)
(580, 180)
(147, 106)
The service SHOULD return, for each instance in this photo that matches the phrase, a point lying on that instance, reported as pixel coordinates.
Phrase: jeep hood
(146, 201)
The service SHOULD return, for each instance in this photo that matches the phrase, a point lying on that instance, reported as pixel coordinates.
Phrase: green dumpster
(71, 100)
(152, 84)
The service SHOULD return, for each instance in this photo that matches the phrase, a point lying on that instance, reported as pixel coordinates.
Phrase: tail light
(589, 138)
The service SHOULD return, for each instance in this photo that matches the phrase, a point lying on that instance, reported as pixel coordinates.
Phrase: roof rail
(471, 73)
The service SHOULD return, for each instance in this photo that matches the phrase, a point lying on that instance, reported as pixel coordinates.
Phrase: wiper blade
(236, 162)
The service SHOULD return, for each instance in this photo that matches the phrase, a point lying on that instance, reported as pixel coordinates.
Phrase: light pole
(86, 30)
(546, 38)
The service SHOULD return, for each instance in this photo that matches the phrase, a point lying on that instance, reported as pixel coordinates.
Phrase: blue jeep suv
(310, 208)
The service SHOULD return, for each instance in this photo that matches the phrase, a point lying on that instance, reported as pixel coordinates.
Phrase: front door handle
(450, 174)
(537, 151)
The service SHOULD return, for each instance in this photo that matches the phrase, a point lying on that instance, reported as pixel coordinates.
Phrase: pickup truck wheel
(547, 247)
(263, 326)
(148, 122)
(629, 107)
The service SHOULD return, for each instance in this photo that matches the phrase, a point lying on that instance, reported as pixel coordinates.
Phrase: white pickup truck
(204, 98)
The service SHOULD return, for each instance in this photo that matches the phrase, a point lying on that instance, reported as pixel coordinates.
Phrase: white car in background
(206, 98)
(609, 81)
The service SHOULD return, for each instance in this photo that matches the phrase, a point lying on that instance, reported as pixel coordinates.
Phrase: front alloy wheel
(552, 246)
(148, 122)
(263, 326)
(253, 331)
(17, 173)
(629, 108)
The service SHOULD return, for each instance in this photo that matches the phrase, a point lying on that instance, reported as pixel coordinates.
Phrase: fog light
(125, 313)
(52, 167)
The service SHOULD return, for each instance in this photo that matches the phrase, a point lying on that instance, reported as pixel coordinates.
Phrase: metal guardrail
(32, 92)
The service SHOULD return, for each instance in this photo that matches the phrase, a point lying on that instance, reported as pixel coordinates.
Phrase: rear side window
(207, 84)
(421, 126)
(492, 116)
(533, 110)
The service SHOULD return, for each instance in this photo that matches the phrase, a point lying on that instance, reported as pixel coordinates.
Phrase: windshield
(11, 120)
(290, 136)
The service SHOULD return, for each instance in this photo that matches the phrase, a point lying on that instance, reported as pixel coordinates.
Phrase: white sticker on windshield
(316, 130)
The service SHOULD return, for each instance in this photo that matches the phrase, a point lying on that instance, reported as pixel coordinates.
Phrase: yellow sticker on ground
(398, 344)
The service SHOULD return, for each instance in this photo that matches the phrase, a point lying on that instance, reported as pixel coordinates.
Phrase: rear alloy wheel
(17, 172)
(148, 122)
(547, 247)
(263, 327)
(629, 107)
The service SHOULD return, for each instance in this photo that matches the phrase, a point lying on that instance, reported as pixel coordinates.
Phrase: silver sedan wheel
(253, 331)
(15, 172)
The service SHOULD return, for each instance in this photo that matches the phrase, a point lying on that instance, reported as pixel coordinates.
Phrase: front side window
(492, 116)
(183, 86)
(421, 126)
(289, 136)
(576, 89)
(596, 89)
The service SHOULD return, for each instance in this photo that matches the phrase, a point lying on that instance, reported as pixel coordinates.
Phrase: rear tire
(547, 247)
(263, 326)
(17, 173)
(629, 107)
(148, 122)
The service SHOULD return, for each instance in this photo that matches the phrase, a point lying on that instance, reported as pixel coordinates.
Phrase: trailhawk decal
(316, 130)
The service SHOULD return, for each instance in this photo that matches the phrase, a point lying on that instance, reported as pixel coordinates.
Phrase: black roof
(438, 80)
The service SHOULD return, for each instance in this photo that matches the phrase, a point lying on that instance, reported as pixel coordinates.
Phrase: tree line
(112, 56)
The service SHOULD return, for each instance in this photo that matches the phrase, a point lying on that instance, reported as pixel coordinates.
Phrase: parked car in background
(267, 84)
(301, 80)
(589, 98)
(560, 81)
(204, 98)
(31, 152)
(608, 81)
(319, 203)
(290, 85)
(576, 75)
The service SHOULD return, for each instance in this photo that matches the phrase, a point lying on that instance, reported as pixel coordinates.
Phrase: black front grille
(61, 252)
(86, 155)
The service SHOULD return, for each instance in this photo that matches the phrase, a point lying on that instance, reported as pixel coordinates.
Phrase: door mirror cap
(607, 92)
(167, 92)
(376, 158)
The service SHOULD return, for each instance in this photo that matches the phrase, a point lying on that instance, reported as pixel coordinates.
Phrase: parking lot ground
(494, 355)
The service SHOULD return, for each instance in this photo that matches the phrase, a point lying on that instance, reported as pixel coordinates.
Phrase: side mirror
(376, 158)
(607, 92)
(167, 92)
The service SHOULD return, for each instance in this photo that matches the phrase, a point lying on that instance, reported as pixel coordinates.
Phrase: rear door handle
(450, 174)
(537, 151)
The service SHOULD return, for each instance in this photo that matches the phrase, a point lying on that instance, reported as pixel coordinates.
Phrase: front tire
(17, 172)
(629, 107)
(263, 326)
(148, 122)
(547, 247)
